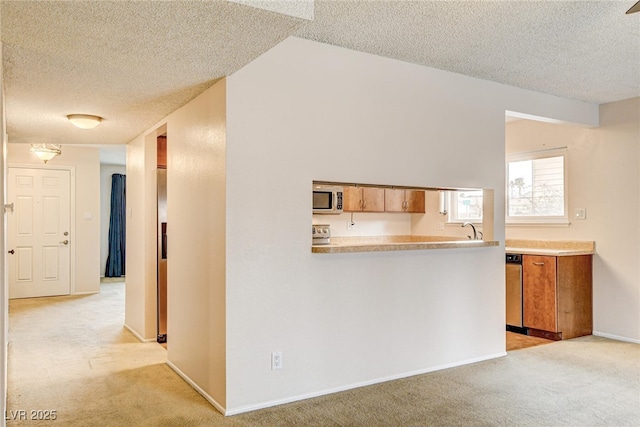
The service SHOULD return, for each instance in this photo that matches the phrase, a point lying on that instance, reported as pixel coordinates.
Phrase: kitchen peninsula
(397, 243)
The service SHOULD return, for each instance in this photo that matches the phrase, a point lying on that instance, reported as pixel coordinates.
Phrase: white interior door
(38, 232)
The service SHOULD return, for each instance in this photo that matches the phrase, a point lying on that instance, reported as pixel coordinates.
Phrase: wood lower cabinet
(539, 293)
(363, 199)
(557, 295)
(411, 201)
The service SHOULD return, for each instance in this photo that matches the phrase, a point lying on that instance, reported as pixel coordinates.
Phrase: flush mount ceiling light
(84, 121)
(45, 152)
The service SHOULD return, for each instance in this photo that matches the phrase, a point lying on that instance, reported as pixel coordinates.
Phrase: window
(536, 187)
(465, 205)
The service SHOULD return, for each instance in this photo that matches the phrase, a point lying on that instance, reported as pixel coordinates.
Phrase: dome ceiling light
(84, 121)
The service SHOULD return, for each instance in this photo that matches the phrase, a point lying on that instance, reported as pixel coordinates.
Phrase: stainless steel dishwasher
(514, 293)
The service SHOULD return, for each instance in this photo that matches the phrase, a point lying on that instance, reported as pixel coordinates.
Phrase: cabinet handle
(364, 204)
(538, 263)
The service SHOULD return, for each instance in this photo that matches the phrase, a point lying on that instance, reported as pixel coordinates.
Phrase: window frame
(452, 210)
(534, 219)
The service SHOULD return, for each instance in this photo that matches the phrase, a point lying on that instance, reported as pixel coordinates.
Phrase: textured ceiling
(131, 62)
(583, 50)
(134, 62)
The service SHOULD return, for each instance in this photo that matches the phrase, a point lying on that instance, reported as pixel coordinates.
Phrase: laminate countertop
(549, 252)
(397, 243)
(550, 247)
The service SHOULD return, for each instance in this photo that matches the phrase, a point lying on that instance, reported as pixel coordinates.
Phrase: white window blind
(465, 205)
(536, 186)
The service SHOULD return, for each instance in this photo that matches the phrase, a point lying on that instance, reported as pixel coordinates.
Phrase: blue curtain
(117, 227)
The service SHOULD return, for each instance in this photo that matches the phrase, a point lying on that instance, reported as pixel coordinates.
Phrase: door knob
(12, 252)
(65, 242)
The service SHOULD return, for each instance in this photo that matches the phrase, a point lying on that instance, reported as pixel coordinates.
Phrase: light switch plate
(580, 213)
(276, 360)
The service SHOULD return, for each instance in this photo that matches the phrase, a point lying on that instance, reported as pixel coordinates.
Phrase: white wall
(196, 156)
(604, 178)
(105, 209)
(86, 238)
(367, 224)
(196, 166)
(4, 294)
(242, 279)
(141, 255)
(306, 111)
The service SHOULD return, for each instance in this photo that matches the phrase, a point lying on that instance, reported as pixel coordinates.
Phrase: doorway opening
(112, 170)
(161, 181)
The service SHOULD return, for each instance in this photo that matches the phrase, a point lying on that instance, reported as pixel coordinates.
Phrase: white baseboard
(86, 293)
(616, 337)
(137, 335)
(262, 405)
(192, 383)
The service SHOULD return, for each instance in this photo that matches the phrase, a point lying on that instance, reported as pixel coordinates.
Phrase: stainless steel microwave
(327, 199)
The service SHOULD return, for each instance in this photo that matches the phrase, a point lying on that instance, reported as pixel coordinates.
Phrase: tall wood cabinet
(162, 152)
(557, 295)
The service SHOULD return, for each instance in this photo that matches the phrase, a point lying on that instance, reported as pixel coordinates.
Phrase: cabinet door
(411, 201)
(372, 199)
(513, 273)
(352, 199)
(394, 200)
(575, 306)
(539, 292)
(414, 201)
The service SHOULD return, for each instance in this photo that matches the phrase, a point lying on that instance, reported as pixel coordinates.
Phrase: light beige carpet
(73, 356)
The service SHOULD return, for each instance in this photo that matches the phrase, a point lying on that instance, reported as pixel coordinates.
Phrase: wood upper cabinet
(557, 295)
(411, 201)
(363, 199)
(352, 199)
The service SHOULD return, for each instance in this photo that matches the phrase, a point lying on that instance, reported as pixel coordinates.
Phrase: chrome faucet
(475, 233)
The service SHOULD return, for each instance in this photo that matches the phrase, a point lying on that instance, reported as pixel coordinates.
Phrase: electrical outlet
(440, 225)
(276, 360)
(351, 225)
(580, 213)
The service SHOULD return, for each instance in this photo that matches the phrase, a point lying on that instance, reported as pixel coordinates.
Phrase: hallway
(72, 355)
